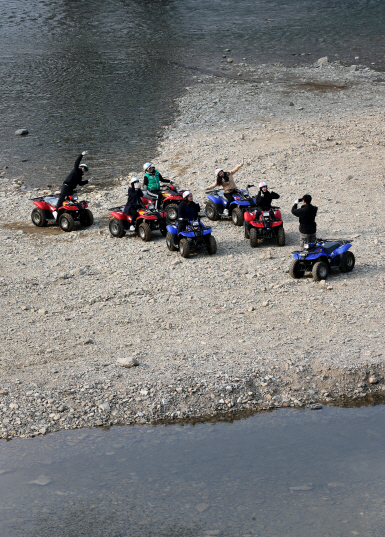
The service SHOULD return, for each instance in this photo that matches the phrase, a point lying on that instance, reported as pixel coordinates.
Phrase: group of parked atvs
(318, 258)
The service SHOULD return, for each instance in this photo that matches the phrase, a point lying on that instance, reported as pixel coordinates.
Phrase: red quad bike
(172, 197)
(268, 226)
(147, 221)
(70, 212)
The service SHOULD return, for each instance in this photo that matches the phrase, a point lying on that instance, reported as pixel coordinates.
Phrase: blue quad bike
(195, 235)
(320, 257)
(217, 203)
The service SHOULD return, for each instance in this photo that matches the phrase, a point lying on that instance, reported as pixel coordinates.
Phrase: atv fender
(43, 205)
(241, 203)
(172, 230)
(249, 217)
(340, 250)
(119, 215)
(217, 200)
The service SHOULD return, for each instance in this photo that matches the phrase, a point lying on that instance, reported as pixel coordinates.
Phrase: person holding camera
(306, 215)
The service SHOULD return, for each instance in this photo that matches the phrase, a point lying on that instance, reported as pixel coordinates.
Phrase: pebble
(42, 480)
(21, 132)
(127, 362)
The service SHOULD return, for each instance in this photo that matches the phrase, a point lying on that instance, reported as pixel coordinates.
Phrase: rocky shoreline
(212, 335)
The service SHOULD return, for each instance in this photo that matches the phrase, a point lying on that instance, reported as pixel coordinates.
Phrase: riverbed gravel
(206, 336)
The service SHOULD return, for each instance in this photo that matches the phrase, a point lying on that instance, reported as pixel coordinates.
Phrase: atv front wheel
(172, 211)
(320, 271)
(237, 216)
(348, 262)
(211, 245)
(170, 243)
(66, 222)
(295, 269)
(281, 237)
(86, 218)
(116, 228)
(253, 237)
(184, 248)
(211, 212)
(144, 232)
(38, 218)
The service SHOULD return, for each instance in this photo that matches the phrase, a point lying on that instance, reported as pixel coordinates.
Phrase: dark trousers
(66, 190)
(181, 226)
(158, 193)
(229, 196)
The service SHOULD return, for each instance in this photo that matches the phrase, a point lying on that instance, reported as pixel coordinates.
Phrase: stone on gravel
(42, 480)
(21, 132)
(127, 362)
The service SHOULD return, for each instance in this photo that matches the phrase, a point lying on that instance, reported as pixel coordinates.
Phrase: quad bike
(147, 221)
(171, 198)
(217, 204)
(71, 211)
(193, 237)
(267, 225)
(320, 257)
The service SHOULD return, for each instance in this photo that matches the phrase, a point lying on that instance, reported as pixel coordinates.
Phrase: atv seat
(51, 200)
(328, 247)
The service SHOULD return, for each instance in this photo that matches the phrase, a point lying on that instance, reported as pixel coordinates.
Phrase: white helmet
(218, 170)
(146, 166)
(134, 180)
(186, 193)
(262, 184)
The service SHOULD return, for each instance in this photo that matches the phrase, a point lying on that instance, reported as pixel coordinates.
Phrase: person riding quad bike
(188, 210)
(151, 182)
(73, 180)
(225, 180)
(263, 202)
(133, 200)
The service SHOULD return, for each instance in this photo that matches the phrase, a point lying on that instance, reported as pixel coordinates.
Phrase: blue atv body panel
(216, 199)
(172, 229)
(320, 252)
(240, 202)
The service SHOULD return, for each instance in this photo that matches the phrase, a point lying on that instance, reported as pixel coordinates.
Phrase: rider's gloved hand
(262, 195)
(84, 153)
(296, 202)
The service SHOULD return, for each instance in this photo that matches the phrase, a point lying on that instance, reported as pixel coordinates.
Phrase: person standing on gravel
(187, 210)
(133, 199)
(306, 215)
(225, 180)
(73, 180)
(152, 180)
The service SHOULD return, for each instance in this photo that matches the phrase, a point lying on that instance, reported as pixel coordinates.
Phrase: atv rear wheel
(38, 218)
(184, 248)
(211, 211)
(281, 237)
(66, 222)
(170, 243)
(320, 271)
(237, 216)
(144, 232)
(172, 211)
(247, 234)
(211, 245)
(116, 228)
(253, 237)
(295, 269)
(86, 218)
(348, 262)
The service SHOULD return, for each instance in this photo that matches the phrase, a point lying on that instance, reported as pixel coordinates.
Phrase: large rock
(323, 61)
(21, 132)
(127, 362)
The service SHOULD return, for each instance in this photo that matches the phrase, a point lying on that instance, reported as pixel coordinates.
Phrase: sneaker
(132, 228)
(54, 214)
(226, 212)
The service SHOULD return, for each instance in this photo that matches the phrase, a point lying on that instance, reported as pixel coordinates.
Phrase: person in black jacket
(133, 198)
(73, 180)
(188, 210)
(264, 197)
(306, 215)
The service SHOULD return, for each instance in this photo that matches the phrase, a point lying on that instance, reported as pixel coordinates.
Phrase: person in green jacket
(151, 182)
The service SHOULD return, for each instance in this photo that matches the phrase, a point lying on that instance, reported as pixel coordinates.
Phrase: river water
(100, 75)
(291, 473)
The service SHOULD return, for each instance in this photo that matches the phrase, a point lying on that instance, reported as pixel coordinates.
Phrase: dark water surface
(98, 75)
(292, 473)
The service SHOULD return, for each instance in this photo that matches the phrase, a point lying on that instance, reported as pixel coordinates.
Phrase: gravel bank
(211, 334)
